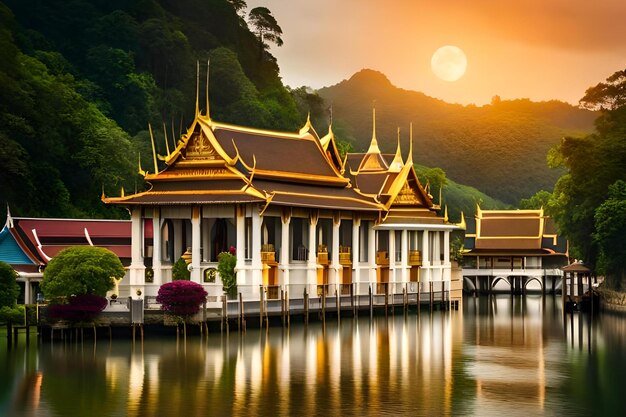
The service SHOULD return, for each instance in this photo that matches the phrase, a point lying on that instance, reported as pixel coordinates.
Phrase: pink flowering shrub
(181, 298)
(83, 307)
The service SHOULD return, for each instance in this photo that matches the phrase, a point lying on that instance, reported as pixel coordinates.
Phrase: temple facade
(516, 247)
(298, 216)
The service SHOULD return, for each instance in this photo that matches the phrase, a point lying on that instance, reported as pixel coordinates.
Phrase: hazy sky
(540, 49)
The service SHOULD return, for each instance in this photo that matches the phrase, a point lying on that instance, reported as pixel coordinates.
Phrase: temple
(28, 244)
(298, 216)
(515, 247)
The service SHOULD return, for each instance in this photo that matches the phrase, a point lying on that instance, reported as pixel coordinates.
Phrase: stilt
(306, 307)
(432, 295)
(386, 298)
(371, 302)
(338, 304)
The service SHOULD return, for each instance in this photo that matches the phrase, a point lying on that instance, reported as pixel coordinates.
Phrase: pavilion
(298, 215)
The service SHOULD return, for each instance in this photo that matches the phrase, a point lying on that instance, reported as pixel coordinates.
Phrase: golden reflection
(508, 359)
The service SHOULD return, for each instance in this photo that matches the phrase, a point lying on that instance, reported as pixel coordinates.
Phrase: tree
(9, 289)
(180, 272)
(266, 26)
(609, 95)
(541, 199)
(238, 5)
(80, 270)
(610, 224)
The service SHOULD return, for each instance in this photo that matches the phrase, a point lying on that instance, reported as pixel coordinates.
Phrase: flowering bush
(83, 307)
(181, 298)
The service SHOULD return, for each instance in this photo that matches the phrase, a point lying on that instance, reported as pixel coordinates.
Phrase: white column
(257, 265)
(437, 248)
(446, 256)
(371, 256)
(392, 259)
(285, 249)
(156, 247)
(137, 267)
(206, 243)
(196, 269)
(241, 246)
(312, 261)
(27, 290)
(356, 249)
(404, 256)
(334, 262)
(425, 272)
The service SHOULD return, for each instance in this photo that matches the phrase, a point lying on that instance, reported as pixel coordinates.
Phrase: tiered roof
(224, 163)
(513, 232)
(30, 243)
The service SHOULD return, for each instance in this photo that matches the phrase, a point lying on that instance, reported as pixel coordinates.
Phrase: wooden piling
(432, 296)
(386, 298)
(261, 306)
(371, 302)
(306, 306)
(337, 303)
(282, 306)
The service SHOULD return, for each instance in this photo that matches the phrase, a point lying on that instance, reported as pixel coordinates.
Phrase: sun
(449, 63)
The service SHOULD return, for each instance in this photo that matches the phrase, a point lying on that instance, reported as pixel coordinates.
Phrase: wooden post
(338, 302)
(240, 315)
(282, 306)
(306, 307)
(323, 303)
(260, 306)
(386, 297)
(371, 302)
(288, 308)
(224, 313)
(352, 305)
(431, 296)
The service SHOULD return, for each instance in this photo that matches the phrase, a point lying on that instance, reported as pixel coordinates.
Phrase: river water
(500, 356)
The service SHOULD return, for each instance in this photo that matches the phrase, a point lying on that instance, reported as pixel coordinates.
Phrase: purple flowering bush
(181, 298)
(84, 307)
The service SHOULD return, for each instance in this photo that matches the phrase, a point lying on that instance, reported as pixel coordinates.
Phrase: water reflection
(501, 355)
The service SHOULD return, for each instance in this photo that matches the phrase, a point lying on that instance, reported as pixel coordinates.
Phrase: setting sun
(449, 63)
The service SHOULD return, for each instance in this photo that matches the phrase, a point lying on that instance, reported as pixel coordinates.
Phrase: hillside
(80, 80)
(498, 148)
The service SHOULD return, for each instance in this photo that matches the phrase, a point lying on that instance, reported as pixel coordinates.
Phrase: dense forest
(589, 200)
(81, 79)
(498, 148)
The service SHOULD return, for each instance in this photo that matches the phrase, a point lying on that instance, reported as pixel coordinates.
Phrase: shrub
(226, 268)
(181, 298)
(84, 307)
(180, 271)
(81, 270)
(9, 289)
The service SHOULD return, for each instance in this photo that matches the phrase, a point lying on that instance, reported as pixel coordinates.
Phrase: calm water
(500, 356)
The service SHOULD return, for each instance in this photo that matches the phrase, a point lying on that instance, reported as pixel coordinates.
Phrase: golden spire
(307, 126)
(173, 135)
(122, 192)
(197, 87)
(409, 158)
(208, 66)
(397, 163)
(167, 145)
(154, 157)
(445, 214)
(440, 192)
(141, 171)
(462, 224)
(374, 144)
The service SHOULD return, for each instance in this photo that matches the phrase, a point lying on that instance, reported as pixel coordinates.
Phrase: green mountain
(498, 148)
(81, 79)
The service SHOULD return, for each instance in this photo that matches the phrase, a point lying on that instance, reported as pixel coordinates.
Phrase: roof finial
(9, 222)
(197, 87)
(156, 167)
(208, 66)
(445, 214)
(140, 170)
(409, 159)
(173, 135)
(167, 145)
(397, 164)
(374, 143)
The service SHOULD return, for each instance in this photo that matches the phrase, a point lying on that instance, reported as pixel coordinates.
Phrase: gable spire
(374, 143)
(397, 164)
(208, 67)
(197, 87)
(409, 158)
(154, 157)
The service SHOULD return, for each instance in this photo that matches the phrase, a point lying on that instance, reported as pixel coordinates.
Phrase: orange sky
(540, 49)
